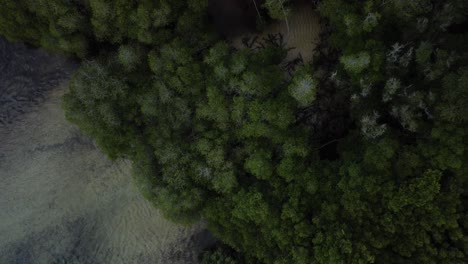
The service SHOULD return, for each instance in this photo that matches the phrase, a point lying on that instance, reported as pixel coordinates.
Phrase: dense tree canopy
(358, 157)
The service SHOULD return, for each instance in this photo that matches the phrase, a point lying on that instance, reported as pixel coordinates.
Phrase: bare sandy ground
(61, 199)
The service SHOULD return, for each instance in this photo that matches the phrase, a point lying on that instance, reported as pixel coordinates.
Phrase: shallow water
(301, 32)
(61, 199)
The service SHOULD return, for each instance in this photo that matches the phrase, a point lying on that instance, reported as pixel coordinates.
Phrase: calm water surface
(61, 199)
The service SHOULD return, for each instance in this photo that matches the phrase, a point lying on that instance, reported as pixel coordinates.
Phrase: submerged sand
(61, 199)
(300, 31)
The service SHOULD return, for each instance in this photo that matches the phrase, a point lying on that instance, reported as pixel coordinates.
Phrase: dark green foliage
(217, 257)
(226, 135)
(104, 113)
(79, 27)
(53, 24)
(397, 184)
(222, 254)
